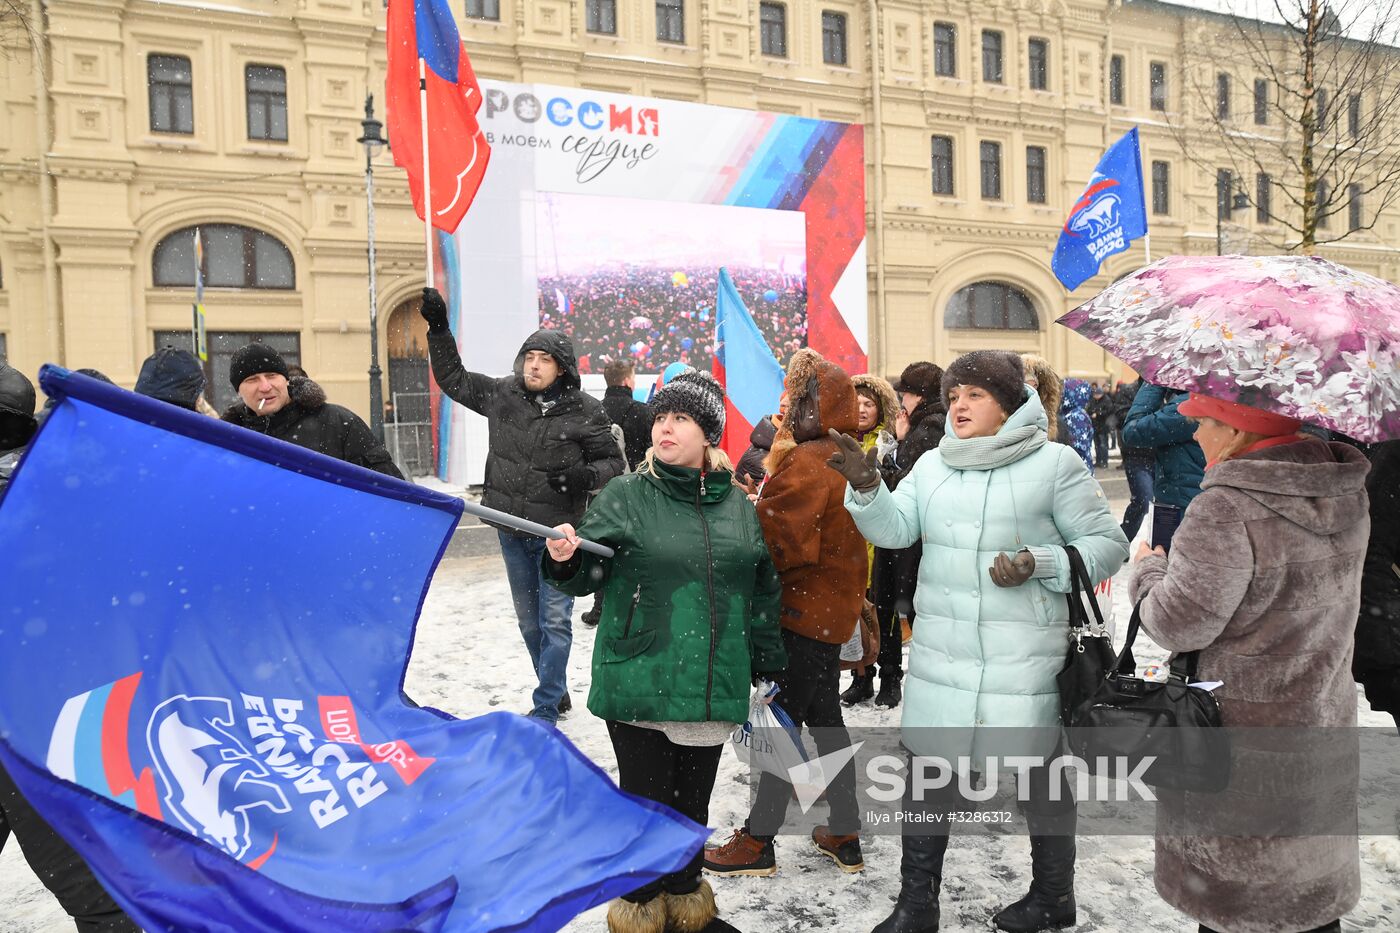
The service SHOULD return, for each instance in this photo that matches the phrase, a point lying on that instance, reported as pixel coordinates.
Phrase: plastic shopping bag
(768, 741)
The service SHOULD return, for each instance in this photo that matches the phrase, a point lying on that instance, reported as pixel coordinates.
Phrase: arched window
(234, 257)
(990, 306)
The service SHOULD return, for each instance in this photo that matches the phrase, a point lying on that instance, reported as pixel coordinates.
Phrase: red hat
(1243, 417)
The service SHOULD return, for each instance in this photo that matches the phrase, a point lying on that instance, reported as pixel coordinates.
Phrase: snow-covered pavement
(469, 660)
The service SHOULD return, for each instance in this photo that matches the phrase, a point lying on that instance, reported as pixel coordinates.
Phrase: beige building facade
(127, 123)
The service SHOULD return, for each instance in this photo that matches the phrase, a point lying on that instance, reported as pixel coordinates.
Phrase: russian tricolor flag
(745, 366)
(424, 30)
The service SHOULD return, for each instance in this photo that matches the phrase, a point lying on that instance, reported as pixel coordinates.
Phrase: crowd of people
(947, 506)
(654, 316)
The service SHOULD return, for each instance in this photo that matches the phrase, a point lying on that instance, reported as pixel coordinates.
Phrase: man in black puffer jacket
(550, 445)
(296, 411)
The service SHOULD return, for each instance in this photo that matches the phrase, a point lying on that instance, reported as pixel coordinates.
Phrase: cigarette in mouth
(261, 403)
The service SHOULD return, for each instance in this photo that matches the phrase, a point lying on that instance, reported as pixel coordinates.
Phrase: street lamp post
(1238, 202)
(373, 142)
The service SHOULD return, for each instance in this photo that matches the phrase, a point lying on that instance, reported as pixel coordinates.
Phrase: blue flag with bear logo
(206, 632)
(1108, 216)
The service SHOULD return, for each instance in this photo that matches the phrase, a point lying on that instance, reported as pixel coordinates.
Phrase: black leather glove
(434, 311)
(1012, 571)
(770, 676)
(575, 481)
(858, 466)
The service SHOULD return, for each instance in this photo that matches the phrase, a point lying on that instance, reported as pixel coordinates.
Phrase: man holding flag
(1108, 216)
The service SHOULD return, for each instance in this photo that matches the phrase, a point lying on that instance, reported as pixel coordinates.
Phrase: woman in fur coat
(1264, 580)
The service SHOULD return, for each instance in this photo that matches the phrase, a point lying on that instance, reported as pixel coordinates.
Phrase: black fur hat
(697, 394)
(998, 371)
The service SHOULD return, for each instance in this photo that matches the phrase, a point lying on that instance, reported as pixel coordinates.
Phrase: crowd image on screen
(657, 316)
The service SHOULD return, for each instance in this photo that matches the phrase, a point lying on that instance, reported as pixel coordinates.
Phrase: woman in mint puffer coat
(995, 510)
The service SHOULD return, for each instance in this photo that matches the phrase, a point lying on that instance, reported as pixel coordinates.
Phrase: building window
(991, 56)
(1115, 80)
(266, 87)
(222, 345)
(991, 171)
(170, 85)
(234, 257)
(1263, 198)
(1157, 85)
(484, 9)
(833, 38)
(1354, 207)
(601, 17)
(1224, 193)
(943, 165)
(772, 29)
(1354, 115)
(1161, 188)
(1038, 64)
(1035, 174)
(1261, 101)
(1222, 97)
(1321, 101)
(945, 50)
(1322, 194)
(990, 306)
(670, 20)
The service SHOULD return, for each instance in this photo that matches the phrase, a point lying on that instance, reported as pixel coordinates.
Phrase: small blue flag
(1108, 216)
(223, 623)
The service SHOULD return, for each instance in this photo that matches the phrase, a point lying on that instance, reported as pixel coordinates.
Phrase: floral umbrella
(1296, 335)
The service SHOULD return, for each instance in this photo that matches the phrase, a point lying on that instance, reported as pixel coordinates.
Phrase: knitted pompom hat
(697, 394)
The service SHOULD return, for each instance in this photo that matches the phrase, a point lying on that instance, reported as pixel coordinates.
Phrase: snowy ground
(469, 660)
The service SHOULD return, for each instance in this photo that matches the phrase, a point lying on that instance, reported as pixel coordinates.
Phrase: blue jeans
(546, 623)
(1140, 486)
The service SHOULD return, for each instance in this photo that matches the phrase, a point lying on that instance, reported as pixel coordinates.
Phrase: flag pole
(1147, 245)
(427, 178)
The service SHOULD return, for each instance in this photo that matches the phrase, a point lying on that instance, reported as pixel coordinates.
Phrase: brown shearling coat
(819, 554)
(1264, 579)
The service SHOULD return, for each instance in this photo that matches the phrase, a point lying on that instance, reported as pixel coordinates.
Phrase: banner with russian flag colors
(745, 365)
(458, 152)
(223, 623)
(608, 216)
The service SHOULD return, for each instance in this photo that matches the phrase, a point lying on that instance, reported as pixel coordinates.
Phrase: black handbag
(1171, 725)
(1090, 657)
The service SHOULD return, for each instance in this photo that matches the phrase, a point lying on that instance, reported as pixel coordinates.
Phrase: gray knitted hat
(697, 394)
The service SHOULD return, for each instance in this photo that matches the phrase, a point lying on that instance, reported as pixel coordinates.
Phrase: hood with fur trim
(1049, 386)
(884, 392)
(813, 382)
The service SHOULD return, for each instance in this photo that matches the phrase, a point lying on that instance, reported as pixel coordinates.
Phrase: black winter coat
(309, 421)
(1376, 663)
(527, 443)
(634, 418)
(750, 465)
(896, 572)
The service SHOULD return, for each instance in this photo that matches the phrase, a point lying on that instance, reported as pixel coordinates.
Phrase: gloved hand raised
(1012, 571)
(434, 311)
(575, 481)
(856, 465)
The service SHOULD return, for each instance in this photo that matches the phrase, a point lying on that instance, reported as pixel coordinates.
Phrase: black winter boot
(920, 877)
(1049, 905)
(890, 693)
(861, 689)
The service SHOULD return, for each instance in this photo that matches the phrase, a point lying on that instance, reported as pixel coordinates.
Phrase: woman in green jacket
(690, 618)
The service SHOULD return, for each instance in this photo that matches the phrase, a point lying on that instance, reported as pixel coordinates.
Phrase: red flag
(457, 149)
